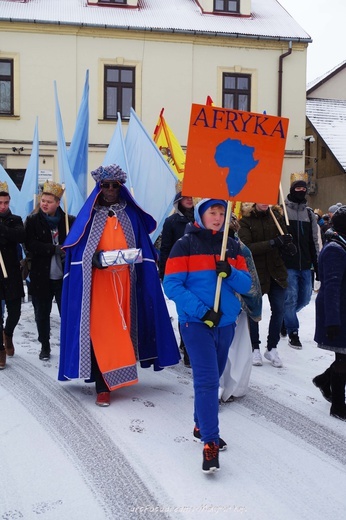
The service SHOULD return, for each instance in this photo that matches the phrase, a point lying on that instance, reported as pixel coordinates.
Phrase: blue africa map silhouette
(239, 160)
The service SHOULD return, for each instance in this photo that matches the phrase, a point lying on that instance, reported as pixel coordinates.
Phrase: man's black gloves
(212, 318)
(95, 262)
(285, 243)
(281, 240)
(223, 269)
(333, 331)
(289, 249)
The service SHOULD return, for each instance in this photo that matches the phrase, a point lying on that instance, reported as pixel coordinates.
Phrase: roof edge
(158, 30)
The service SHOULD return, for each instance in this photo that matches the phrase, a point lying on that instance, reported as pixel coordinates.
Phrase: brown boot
(2, 359)
(9, 347)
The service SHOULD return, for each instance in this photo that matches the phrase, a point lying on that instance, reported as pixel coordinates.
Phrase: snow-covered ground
(63, 457)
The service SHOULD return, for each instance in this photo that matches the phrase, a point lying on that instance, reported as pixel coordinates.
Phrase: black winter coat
(11, 235)
(304, 229)
(173, 229)
(256, 229)
(331, 297)
(39, 244)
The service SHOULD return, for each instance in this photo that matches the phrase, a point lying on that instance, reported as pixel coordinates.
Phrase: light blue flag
(153, 181)
(12, 188)
(116, 153)
(29, 188)
(73, 196)
(78, 150)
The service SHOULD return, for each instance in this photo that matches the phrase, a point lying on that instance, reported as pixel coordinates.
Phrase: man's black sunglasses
(107, 185)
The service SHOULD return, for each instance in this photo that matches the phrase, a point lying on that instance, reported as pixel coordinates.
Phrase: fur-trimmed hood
(247, 209)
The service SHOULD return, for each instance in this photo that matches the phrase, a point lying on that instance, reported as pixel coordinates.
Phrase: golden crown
(53, 188)
(4, 186)
(299, 176)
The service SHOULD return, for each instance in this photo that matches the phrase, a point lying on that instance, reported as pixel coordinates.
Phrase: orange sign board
(234, 155)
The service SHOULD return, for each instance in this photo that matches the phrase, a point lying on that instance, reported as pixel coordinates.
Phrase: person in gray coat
(330, 332)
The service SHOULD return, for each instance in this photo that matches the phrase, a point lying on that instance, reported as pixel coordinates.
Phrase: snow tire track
(110, 477)
(318, 436)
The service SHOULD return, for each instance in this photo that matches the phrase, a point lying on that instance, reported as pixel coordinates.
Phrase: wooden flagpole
(276, 221)
(284, 205)
(3, 268)
(223, 254)
(66, 212)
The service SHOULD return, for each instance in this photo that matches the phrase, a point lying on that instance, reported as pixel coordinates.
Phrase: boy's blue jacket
(190, 276)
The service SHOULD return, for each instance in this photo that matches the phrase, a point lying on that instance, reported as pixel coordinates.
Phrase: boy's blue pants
(208, 351)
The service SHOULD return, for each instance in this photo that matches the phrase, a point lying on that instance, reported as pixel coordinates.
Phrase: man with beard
(303, 228)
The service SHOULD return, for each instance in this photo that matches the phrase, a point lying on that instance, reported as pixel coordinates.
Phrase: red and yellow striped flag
(169, 146)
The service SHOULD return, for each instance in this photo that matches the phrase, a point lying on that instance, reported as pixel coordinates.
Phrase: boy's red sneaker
(210, 458)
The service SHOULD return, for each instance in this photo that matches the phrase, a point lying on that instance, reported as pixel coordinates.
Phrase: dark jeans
(43, 308)
(276, 296)
(298, 296)
(13, 314)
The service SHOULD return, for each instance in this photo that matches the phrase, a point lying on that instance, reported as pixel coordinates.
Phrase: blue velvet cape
(157, 345)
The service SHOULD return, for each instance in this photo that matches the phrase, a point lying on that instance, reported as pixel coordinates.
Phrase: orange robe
(110, 321)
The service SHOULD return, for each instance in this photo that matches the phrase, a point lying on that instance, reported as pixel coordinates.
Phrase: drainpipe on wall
(281, 59)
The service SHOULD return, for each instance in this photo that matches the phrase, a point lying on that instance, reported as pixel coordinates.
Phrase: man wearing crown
(113, 313)
(304, 229)
(11, 284)
(45, 231)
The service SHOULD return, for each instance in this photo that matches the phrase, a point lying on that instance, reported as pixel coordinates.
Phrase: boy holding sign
(231, 155)
(190, 281)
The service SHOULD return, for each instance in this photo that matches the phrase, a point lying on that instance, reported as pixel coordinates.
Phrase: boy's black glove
(212, 318)
(223, 269)
(95, 262)
(281, 240)
(333, 331)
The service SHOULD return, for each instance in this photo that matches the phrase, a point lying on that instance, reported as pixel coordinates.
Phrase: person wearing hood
(260, 233)
(173, 229)
(190, 281)
(113, 308)
(330, 329)
(304, 229)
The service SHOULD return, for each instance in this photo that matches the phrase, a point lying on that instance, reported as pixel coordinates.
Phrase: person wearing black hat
(330, 330)
(304, 229)
(173, 229)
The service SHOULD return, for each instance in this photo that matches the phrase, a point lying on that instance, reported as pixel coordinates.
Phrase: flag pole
(3, 268)
(283, 204)
(276, 221)
(65, 206)
(223, 254)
